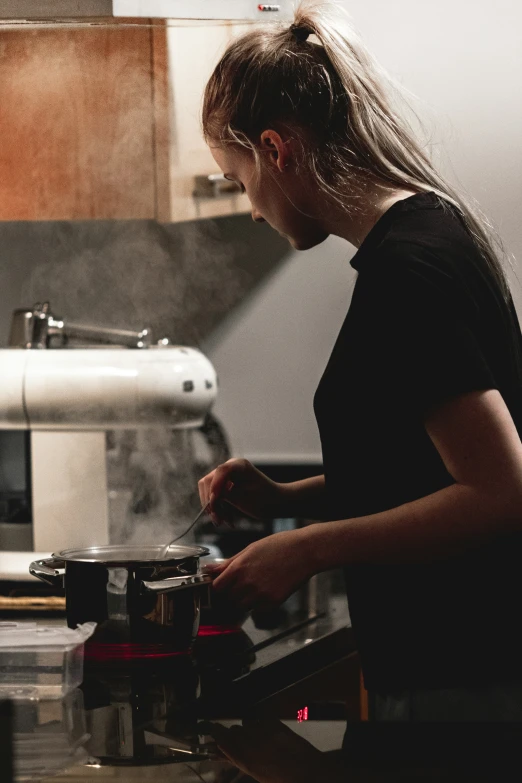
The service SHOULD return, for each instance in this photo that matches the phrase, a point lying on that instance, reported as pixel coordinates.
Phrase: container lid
(122, 554)
(14, 635)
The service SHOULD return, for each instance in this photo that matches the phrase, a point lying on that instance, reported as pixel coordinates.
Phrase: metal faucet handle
(39, 328)
(104, 335)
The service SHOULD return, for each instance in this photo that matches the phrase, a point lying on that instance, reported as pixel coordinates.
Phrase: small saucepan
(135, 598)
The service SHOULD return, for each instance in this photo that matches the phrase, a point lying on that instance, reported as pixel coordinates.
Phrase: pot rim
(101, 555)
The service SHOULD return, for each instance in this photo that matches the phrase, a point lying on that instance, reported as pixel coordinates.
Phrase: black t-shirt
(427, 322)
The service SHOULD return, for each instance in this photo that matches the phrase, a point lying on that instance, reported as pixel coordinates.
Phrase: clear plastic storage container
(49, 736)
(40, 661)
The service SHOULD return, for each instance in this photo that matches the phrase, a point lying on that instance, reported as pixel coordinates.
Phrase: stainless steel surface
(118, 554)
(211, 562)
(51, 570)
(132, 596)
(39, 328)
(177, 583)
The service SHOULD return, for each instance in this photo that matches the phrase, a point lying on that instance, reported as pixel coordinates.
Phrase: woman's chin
(306, 243)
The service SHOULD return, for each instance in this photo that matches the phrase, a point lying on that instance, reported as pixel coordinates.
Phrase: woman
(420, 406)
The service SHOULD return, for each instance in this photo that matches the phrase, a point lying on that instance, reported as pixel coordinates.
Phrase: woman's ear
(276, 150)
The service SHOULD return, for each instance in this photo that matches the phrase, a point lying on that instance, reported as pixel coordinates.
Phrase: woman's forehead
(219, 153)
(228, 157)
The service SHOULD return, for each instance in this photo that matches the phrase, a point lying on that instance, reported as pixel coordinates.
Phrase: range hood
(54, 10)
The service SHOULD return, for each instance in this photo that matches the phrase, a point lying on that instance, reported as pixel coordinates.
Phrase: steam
(152, 478)
(179, 280)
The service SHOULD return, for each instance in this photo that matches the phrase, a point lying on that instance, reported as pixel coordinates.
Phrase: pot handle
(177, 583)
(51, 570)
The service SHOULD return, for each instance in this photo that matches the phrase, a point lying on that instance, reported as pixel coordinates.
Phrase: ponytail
(317, 78)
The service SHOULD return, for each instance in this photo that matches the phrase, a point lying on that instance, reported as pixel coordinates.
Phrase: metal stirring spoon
(163, 553)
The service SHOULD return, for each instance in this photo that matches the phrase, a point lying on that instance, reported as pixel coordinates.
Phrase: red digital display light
(302, 715)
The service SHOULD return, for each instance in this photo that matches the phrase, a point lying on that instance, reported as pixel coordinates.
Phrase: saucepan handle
(51, 570)
(177, 583)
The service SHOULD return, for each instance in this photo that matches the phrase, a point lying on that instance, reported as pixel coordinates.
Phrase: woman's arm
(305, 498)
(248, 490)
(480, 446)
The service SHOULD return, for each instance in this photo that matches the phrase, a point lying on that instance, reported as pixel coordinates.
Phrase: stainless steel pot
(134, 598)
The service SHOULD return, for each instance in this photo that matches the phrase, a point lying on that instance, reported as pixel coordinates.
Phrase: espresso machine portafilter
(64, 385)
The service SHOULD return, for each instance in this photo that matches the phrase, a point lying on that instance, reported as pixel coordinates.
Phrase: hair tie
(300, 33)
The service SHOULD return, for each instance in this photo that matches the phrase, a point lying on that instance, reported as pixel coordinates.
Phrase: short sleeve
(424, 330)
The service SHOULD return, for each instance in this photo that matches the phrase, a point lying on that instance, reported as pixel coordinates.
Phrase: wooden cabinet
(193, 52)
(102, 121)
(78, 122)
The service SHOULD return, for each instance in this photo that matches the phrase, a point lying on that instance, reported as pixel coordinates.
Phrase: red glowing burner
(126, 652)
(218, 630)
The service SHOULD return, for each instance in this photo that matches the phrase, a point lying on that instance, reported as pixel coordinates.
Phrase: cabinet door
(194, 51)
(77, 123)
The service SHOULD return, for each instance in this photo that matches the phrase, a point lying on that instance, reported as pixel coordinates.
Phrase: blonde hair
(316, 78)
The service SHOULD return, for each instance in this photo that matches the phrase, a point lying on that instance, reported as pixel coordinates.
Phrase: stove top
(144, 707)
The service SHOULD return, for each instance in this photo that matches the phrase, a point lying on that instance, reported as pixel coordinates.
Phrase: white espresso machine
(57, 403)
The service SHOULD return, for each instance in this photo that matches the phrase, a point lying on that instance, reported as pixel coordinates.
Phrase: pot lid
(125, 554)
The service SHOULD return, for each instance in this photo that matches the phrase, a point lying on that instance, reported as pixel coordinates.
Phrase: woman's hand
(242, 486)
(270, 752)
(264, 574)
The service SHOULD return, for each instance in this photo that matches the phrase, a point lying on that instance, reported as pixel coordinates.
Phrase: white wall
(463, 59)
(271, 352)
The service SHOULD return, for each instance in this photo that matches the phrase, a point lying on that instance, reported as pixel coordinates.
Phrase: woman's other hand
(264, 574)
(244, 488)
(270, 752)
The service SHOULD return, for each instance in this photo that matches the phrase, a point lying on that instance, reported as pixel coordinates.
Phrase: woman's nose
(257, 217)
